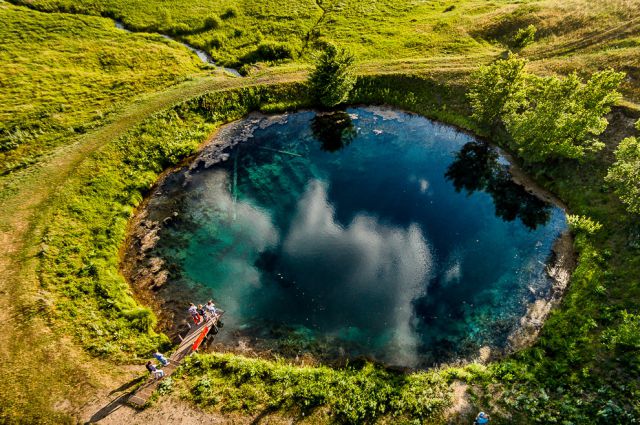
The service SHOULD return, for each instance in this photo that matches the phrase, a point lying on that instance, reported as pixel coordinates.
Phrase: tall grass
(63, 75)
(359, 393)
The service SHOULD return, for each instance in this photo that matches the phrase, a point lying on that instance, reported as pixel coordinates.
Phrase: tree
(493, 87)
(525, 36)
(211, 23)
(546, 118)
(624, 174)
(332, 80)
(559, 118)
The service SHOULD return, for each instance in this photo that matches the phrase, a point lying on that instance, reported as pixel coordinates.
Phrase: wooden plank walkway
(143, 393)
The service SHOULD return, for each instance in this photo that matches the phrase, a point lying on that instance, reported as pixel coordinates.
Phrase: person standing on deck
(211, 308)
(193, 310)
(202, 312)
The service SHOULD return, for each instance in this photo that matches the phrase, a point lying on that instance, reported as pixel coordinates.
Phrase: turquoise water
(372, 232)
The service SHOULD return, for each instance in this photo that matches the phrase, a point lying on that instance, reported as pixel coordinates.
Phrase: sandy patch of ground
(166, 411)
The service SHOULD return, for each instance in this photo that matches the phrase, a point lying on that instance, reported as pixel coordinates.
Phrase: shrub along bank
(354, 394)
(581, 368)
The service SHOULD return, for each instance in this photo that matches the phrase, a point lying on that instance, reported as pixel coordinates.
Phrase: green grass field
(90, 115)
(574, 34)
(75, 71)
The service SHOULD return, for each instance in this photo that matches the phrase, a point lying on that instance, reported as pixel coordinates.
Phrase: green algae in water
(367, 232)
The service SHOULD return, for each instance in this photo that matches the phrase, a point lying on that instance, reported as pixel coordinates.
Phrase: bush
(216, 42)
(179, 29)
(582, 224)
(165, 386)
(624, 174)
(524, 36)
(140, 318)
(231, 12)
(626, 336)
(272, 51)
(212, 23)
(332, 80)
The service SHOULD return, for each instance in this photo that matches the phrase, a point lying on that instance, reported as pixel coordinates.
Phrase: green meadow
(91, 116)
(76, 71)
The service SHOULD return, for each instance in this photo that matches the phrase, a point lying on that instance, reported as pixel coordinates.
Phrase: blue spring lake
(369, 232)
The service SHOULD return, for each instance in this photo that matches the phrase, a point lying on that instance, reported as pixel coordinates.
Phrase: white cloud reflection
(241, 232)
(372, 271)
(357, 281)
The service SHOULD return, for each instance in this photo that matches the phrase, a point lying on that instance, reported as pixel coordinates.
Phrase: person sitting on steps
(153, 370)
(162, 359)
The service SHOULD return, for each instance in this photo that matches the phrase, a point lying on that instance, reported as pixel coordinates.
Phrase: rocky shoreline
(148, 275)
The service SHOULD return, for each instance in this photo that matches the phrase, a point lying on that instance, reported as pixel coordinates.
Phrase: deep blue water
(372, 232)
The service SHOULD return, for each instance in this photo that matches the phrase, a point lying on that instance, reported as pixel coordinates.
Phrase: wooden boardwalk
(192, 339)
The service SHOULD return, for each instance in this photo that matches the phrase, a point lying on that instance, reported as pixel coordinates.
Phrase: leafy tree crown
(624, 174)
(333, 78)
(545, 117)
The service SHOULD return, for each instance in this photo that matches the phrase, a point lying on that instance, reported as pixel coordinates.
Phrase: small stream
(202, 55)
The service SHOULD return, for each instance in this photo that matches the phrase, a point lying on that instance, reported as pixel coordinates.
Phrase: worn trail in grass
(28, 344)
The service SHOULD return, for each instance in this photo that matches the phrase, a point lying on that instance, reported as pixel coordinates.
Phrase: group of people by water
(199, 315)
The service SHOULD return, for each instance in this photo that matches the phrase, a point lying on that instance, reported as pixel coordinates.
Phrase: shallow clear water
(372, 232)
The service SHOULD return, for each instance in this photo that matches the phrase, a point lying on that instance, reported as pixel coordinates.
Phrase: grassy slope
(31, 344)
(75, 71)
(28, 342)
(572, 35)
(579, 35)
(383, 29)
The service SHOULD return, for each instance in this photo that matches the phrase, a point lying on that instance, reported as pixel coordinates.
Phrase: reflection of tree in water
(476, 167)
(334, 130)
